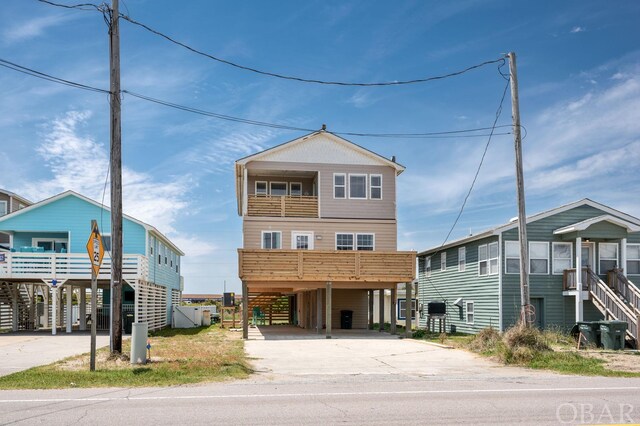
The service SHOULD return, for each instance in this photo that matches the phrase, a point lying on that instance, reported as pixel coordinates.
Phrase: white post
(54, 310)
(392, 310)
(82, 309)
(623, 256)
(45, 297)
(69, 308)
(579, 311)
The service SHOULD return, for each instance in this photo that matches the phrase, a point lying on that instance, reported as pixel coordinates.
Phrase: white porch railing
(68, 266)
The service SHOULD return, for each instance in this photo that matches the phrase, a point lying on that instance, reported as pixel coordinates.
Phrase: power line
(309, 80)
(81, 6)
(460, 133)
(49, 77)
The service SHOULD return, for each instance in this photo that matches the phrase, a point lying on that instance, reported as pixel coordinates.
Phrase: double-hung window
(488, 259)
(357, 186)
(402, 309)
(339, 185)
(365, 241)
(512, 257)
(470, 312)
(261, 188)
(375, 187)
(462, 259)
(443, 261)
(633, 259)
(344, 241)
(562, 255)
(427, 266)
(608, 257)
(271, 239)
(538, 258)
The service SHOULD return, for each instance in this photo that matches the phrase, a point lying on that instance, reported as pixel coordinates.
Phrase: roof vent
(513, 219)
(324, 127)
(393, 158)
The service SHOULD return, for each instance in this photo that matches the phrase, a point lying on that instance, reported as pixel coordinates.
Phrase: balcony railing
(68, 266)
(326, 265)
(283, 206)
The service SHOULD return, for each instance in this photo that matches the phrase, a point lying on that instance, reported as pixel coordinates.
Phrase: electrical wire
(81, 6)
(49, 77)
(310, 80)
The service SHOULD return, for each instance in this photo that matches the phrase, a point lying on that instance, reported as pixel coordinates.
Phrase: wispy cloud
(32, 28)
(577, 29)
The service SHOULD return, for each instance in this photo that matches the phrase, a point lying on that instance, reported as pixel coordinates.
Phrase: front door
(302, 240)
(587, 255)
(538, 306)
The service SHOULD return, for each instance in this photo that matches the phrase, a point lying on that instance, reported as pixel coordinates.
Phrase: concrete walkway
(289, 351)
(24, 350)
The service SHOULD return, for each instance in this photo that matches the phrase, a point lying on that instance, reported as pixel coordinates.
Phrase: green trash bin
(591, 332)
(613, 334)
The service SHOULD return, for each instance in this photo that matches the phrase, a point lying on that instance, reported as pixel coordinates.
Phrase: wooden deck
(282, 206)
(257, 265)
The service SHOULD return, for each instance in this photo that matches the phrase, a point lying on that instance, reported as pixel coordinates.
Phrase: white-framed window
(278, 188)
(375, 187)
(488, 259)
(512, 257)
(344, 241)
(607, 256)
(427, 266)
(443, 261)
(402, 308)
(365, 241)
(295, 188)
(3, 208)
(339, 185)
(271, 239)
(562, 257)
(106, 242)
(357, 186)
(462, 259)
(261, 187)
(538, 258)
(633, 259)
(470, 312)
(50, 245)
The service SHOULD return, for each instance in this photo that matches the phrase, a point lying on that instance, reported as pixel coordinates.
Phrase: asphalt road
(330, 400)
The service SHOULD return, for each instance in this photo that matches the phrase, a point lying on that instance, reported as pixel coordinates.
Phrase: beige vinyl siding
(324, 231)
(338, 208)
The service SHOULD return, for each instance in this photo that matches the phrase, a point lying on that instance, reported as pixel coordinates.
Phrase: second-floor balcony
(66, 266)
(283, 205)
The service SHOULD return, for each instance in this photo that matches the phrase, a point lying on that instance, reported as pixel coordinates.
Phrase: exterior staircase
(274, 307)
(621, 305)
(26, 306)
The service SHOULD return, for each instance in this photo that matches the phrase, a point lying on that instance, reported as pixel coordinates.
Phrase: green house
(478, 276)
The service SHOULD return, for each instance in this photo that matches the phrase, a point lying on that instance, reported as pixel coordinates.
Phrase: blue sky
(579, 77)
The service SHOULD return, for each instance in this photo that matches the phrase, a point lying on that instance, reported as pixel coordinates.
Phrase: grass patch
(549, 350)
(178, 357)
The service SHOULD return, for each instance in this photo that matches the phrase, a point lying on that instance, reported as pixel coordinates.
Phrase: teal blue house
(48, 263)
(478, 276)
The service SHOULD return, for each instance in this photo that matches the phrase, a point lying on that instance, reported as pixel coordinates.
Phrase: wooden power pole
(525, 316)
(116, 183)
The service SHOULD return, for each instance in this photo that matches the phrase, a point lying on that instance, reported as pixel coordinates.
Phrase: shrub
(521, 336)
(486, 341)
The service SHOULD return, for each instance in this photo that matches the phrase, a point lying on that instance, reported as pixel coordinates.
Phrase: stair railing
(625, 288)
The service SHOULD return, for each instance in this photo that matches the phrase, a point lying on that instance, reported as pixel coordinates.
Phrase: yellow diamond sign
(95, 249)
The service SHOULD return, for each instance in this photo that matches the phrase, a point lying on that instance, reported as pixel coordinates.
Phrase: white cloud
(32, 28)
(577, 29)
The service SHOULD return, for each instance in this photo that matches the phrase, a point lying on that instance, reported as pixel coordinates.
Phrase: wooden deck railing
(65, 266)
(326, 265)
(624, 288)
(283, 206)
(569, 279)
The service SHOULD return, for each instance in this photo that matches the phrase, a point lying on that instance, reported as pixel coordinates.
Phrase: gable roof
(16, 196)
(69, 193)
(288, 146)
(582, 225)
(626, 218)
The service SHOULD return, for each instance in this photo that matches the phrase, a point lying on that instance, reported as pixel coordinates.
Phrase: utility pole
(525, 307)
(116, 183)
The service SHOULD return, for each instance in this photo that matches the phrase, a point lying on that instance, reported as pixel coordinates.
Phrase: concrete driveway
(23, 350)
(284, 351)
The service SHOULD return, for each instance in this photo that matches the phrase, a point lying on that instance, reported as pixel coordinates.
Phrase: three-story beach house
(319, 233)
(9, 203)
